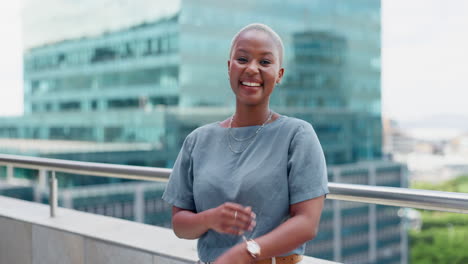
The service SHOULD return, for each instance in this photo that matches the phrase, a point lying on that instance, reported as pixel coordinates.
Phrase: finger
(247, 210)
(249, 226)
(229, 229)
(233, 212)
(237, 207)
(230, 215)
(233, 206)
(247, 215)
(244, 223)
(233, 231)
(242, 219)
(252, 225)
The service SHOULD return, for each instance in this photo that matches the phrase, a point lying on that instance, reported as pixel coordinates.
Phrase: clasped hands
(231, 218)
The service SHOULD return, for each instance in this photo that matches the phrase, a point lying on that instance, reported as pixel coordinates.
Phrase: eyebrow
(264, 53)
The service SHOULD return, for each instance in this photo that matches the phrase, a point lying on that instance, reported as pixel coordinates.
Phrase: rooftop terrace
(38, 233)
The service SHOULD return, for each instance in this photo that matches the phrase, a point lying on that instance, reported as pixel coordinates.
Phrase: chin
(250, 101)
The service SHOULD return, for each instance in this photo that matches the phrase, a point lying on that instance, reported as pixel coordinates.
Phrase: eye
(242, 60)
(265, 62)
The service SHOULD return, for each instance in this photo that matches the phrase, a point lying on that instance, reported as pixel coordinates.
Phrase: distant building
(458, 145)
(396, 140)
(138, 84)
(316, 78)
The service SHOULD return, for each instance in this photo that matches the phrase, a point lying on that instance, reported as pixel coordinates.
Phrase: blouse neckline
(281, 117)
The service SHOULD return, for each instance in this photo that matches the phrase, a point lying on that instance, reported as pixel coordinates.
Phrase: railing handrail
(384, 195)
(88, 168)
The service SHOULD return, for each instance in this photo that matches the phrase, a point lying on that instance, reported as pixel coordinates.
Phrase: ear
(229, 64)
(280, 75)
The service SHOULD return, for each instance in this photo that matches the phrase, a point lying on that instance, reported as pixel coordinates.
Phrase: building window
(103, 54)
(173, 42)
(57, 133)
(164, 44)
(80, 133)
(155, 46)
(34, 107)
(113, 133)
(148, 48)
(167, 100)
(129, 50)
(70, 106)
(36, 132)
(71, 133)
(123, 103)
(9, 132)
(94, 105)
(141, 47)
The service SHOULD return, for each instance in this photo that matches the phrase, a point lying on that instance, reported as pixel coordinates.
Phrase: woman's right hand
(231, 218)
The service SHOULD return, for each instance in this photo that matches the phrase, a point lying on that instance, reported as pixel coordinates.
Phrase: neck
(250, 116)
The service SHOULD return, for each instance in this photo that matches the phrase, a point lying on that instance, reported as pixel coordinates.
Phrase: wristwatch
(253, 248)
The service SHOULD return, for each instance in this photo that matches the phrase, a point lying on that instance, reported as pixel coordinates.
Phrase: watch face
(253, 247)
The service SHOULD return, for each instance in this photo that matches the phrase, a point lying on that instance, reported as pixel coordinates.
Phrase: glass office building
(160, 72)
(132, 95)
(332, 62)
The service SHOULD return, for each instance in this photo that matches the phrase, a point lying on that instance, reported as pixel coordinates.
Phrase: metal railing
(393, 196)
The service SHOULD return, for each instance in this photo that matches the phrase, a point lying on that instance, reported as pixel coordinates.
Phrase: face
(254, 68)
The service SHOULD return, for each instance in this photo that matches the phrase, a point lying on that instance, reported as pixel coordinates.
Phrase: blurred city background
(124, 82)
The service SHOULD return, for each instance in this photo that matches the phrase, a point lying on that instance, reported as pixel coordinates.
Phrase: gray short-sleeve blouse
(283, 166)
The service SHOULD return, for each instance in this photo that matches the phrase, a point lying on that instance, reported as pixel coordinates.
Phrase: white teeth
(250, 84)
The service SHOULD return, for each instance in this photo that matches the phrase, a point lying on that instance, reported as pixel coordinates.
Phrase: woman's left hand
(236, 255)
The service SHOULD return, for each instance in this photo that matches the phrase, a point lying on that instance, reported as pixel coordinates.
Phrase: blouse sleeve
(307, 171)
(179, 189)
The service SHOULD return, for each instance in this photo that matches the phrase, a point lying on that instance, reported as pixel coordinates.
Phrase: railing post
(42, 181)
(9, 173)
(337, 243)
(53, 194)
(403, 231)
(41, 185)
(139, 204)
(67, 199)
(372, 219)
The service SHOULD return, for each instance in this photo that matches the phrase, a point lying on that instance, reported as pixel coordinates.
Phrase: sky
(424, 47)
(11, 59)
(424, 58)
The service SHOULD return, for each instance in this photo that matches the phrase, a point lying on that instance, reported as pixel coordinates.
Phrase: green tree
(443, 237)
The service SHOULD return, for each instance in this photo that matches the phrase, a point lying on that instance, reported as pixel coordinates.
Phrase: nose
(252, 68)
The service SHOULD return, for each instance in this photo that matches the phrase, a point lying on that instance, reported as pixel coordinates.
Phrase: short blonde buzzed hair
(264, 28)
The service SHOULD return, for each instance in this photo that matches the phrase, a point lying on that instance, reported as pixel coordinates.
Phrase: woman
(251, 187)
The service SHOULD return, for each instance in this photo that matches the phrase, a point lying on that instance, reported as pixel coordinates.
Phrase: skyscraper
(138, 84)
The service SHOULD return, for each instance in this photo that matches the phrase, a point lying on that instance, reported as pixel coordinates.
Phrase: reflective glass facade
(332, 65)
(332, 77)
(335, 44)
(132, 68)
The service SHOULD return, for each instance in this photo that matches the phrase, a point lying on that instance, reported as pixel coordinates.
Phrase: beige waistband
(291, 259)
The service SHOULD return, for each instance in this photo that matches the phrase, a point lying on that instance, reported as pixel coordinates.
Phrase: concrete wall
(28, 243)
(28, 235)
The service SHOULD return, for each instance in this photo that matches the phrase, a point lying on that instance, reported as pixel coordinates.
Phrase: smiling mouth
(251, 84)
